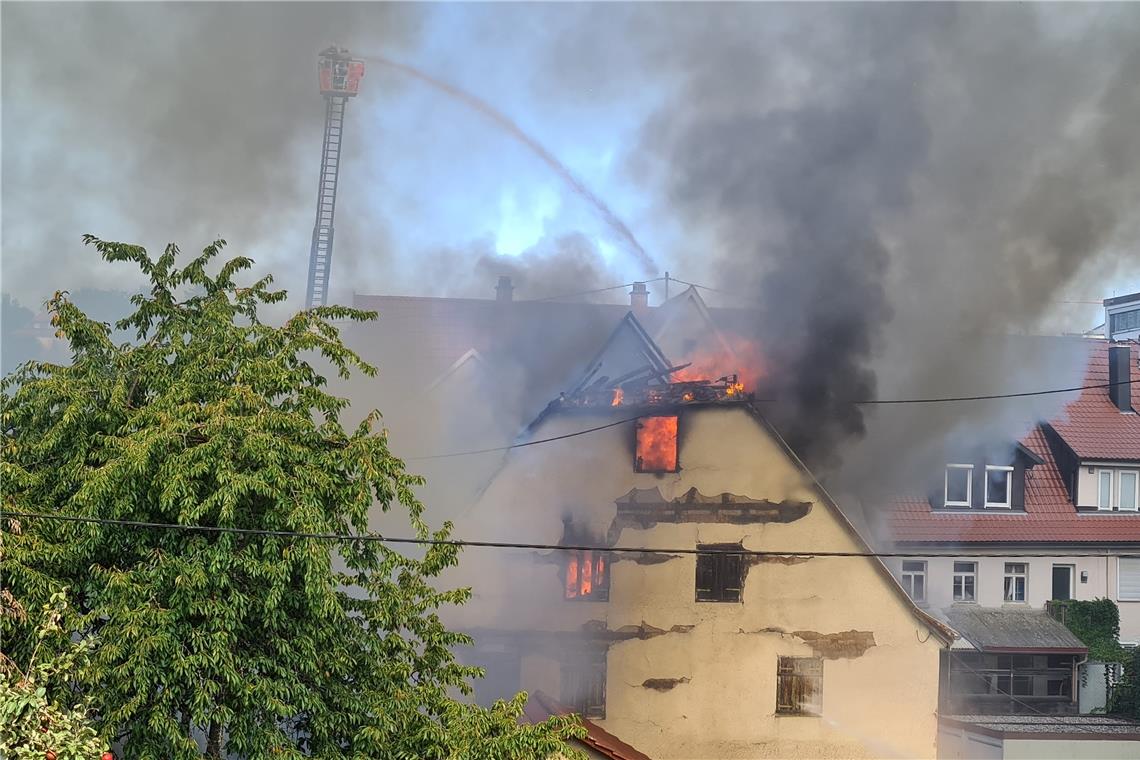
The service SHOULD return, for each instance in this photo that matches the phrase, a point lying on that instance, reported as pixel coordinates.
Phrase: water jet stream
(515, 131)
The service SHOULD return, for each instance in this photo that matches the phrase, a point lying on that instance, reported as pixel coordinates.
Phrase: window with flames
(587, 575)
(656, 445)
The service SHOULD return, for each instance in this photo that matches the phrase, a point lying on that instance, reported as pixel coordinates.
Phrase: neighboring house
(1009, 525)
(692, 648)
(1018, 737)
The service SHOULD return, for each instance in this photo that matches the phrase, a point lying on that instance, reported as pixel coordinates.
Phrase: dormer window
(1117, 490)
(959, 485)
(999, 480)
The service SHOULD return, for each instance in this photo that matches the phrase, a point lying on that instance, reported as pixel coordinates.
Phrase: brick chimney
(504, 290)
(639, 298)
(1120, 376)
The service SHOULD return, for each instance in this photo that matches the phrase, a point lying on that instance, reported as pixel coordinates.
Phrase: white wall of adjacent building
(1117, 578)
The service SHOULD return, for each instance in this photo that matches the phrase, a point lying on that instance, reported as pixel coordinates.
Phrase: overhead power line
(376, 537)
(591, 292)
(522, 445)
(938, 400)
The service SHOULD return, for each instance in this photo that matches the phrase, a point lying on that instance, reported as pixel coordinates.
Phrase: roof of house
(1080, 727)
(1012, 630)
(1092, 426)
(1050, 515)
(541, 706)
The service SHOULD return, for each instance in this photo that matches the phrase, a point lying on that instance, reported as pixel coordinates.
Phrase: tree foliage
(41, 715)
(251, 645)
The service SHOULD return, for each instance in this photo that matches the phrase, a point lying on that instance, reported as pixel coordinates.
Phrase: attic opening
(656, 449)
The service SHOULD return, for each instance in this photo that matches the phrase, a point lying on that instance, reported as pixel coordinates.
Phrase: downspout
(1075, 696)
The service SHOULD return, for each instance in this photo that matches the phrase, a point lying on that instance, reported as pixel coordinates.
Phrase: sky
(100, 105)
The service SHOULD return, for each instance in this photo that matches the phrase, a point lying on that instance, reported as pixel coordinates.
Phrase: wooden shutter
(706, 578)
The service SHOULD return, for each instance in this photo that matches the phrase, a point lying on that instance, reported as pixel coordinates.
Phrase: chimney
(639, 298)
(504, 289)
(1120, 376)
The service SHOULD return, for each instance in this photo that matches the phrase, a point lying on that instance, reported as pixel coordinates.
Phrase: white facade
(1109, 486)
(1122, 318)
(1092, 577)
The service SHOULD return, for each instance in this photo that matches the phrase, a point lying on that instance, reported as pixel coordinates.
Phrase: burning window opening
(656, 449)
(587, 575)
(799, 686)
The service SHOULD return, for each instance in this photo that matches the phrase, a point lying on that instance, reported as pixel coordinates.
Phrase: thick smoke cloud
(153, 122)
(889, 184)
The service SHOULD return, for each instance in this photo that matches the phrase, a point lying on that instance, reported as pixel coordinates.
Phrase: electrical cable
(939, 400)
(590, 292)
(376, 537)
(521, 445)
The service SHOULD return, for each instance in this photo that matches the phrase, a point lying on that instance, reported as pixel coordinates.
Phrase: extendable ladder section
(320, 255)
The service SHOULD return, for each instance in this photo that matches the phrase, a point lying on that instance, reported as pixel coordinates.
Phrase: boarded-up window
(719, 573)
(587, 575)
(1129, 569)
(584, 683)
(656, 445)
(799, 686)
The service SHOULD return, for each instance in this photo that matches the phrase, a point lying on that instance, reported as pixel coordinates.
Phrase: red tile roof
(1095, 429)
(540, 707)
(1092, 425)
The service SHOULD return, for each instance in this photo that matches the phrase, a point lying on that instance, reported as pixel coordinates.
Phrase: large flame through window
(656, 444)
(587, 575)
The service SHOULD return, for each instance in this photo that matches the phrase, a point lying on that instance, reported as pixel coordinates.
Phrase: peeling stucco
(842, 645)
(663, 684)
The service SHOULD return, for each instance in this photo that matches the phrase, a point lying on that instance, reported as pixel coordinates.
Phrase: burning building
(687, 610)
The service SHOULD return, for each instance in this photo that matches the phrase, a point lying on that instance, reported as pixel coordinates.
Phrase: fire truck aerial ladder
(340, 76)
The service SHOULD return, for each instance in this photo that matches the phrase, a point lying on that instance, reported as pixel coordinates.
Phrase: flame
(587, 573)
(619, 394)
(572, 576)
(733, 356)
(657, 444)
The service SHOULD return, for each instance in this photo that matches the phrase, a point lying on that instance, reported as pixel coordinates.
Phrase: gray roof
(1010, 629)
(1091, 726)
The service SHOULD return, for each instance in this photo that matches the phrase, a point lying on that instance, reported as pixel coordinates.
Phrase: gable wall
(877, 700)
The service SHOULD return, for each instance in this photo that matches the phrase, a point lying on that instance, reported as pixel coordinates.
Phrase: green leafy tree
(40, 712)
(220, 642)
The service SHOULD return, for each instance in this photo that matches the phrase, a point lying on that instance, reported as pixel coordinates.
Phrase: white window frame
(956, 574)
(1100, 473)
(1008, 503)
(1135, 490)
(908, 579)
(1024, 575)
(1119, 571)
(969, 468)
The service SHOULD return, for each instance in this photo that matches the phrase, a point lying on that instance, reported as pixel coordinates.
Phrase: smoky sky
(886, 183)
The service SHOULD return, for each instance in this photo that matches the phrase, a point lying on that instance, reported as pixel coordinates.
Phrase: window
(1125, 320)
(998, 482)
(1015, 581)
(799, 686)
(965, 581)
(1059, 687)
(1104, 489)
(1018, 686)
(1126, 499)
(587, 575)
(656, 445)
(1062, 582)
(914, 580)
(719, 573)
(1128, 579)
(959, 484)
(584, 683)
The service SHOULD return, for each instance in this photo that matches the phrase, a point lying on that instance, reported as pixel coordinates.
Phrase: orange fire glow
(657, 444)
(585, 571)
(619, 394)
(735, 356)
